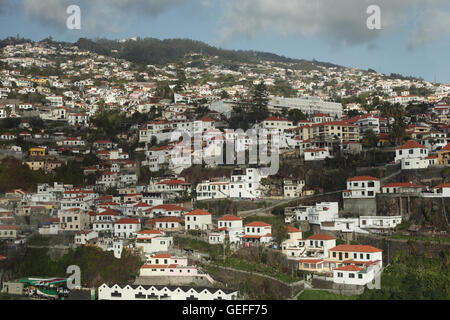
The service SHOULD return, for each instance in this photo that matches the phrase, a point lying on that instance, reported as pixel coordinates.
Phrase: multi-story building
(362, 187)
(198, 220)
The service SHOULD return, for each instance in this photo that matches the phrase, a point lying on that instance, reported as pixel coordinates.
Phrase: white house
(245, 183)
(126, 228)
(359, 253)
(151, 241)
(379, 222)
(412, 155)
(316, 154)
(319, 245)
(278, 124)
(402, 187)
(231, 226)
(256, 232)
(83, 236)
(362, 187)
(213, 190)
(104, 221)
(440, 191)
(357, 273)
(198, 220)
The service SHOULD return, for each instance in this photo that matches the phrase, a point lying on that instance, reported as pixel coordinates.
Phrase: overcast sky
(413, 39)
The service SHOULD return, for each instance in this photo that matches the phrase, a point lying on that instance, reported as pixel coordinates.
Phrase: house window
(360, 276)
(351, 275)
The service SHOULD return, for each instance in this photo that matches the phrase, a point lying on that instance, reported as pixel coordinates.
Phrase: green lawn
(324, 295)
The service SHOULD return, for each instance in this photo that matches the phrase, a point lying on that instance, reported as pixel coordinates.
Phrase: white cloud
(339, 22)
(97, 15)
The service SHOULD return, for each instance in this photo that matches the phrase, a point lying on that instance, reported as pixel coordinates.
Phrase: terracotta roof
(402, 184)
(442, 185)
(230, 217)
(349, 268)
(173, 182)
(162, 256)
(321, 236)
(108, 213)
(363, 178)
(257, 224)
(198, 212)
(251, 237)
(446, 148)
(292, 229)
(8, 227)
(310, 261)
(411, 144)
(127, 221)
(150, 232)
(355, 248)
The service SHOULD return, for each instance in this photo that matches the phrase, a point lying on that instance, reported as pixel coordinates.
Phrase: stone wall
(361, 207)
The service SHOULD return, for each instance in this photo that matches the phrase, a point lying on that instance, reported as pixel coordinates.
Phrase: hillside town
(156, 162)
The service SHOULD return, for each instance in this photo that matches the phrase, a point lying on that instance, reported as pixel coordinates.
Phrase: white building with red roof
(256, 233)
(356, 264)
(228, 226)
(204, 124)
(362, 187)
(198, 220)
(168, 224)
(152, 241)
(402, 187)
(104, 220)
(412, 155)
(126, 228)
(277, 124)
(440, 191)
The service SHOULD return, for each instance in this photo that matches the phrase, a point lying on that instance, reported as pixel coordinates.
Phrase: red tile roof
(355, 248)
(442, 185)
(363, 178)
(292, 229)
(230, 217)
(411, 144)
(402, 184)
(257, 224)
(127, 221)
(321, 236)
(162, 256)
(198, 212)
(349, 268)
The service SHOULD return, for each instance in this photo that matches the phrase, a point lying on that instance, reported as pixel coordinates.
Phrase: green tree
(296, 115)
(370, 139)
